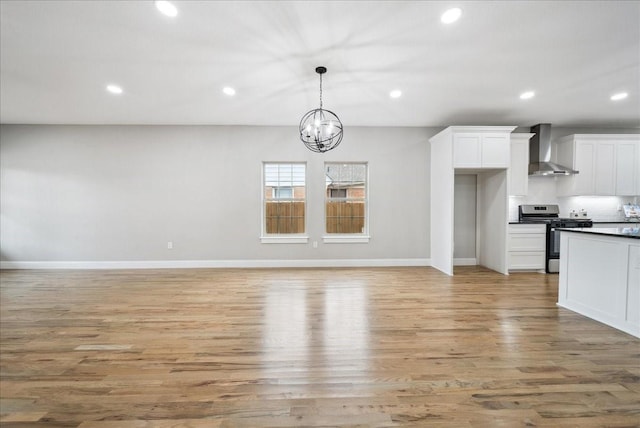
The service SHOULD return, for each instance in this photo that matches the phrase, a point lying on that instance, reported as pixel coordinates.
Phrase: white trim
(630, 137)
(481, 129)
(346, 239)
(284, 239)
(465, 262)
(181, 264)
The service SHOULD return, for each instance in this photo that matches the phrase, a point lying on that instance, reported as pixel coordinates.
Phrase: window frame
(282, 238)
(348, 238)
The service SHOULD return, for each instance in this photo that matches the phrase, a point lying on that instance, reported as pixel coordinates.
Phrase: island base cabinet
(633, 301)
(600, 278)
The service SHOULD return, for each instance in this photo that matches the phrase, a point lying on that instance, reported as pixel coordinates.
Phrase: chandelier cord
(320, 91)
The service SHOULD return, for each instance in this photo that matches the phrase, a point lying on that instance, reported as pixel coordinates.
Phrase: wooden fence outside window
(284, 217)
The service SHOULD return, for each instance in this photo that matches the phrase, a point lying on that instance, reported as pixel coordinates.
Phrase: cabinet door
(633, 287)
(466, 151)
(519, 167)
(605, 165)
(637, 167)
(625, 182)
(495, 151)
(584, 157)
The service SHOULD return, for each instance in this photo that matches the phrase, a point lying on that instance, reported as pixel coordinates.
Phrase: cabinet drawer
(527, 228)
(526, 260)
(527, 242)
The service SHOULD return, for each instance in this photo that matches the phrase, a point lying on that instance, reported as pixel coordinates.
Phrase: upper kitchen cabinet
(608, 165)
(628, 168)
(478, 146)
(519, 167)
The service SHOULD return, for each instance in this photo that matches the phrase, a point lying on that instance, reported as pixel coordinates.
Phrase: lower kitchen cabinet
(526, 246)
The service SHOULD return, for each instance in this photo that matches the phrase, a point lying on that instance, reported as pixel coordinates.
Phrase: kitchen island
(600, 275)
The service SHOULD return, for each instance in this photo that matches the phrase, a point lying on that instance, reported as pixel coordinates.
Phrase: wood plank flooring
(381, 347)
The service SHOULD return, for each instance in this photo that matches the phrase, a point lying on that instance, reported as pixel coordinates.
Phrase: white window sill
(294, 239)
(346, 239)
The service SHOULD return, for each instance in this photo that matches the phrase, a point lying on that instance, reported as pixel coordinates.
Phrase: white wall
(464, 216)
(113, 193)
(120, 193)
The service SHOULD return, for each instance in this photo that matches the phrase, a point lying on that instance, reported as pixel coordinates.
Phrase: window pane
(346, 198)
(338, 193)
(284, 198)
(282, 192)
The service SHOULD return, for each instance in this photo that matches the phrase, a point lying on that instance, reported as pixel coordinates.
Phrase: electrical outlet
(315, 244)
(170, 245)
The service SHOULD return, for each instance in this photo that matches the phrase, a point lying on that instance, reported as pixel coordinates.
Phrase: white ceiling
(58, 56)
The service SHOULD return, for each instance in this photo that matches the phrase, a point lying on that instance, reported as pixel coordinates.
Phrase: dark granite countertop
(632, 223)
(621, 232)
(528, 222)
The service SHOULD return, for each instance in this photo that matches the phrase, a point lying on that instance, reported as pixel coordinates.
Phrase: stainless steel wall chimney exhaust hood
(540, 153)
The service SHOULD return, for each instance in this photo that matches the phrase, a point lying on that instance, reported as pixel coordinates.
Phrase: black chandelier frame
(321, 130)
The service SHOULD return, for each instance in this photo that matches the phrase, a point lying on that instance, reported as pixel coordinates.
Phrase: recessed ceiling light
(451, 15)
(396, 93)
(114, 89)
(229, 91)
(619, 96)
(527, 95)
(166, 8)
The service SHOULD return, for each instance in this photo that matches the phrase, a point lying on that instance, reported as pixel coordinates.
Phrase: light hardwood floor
(378, 347)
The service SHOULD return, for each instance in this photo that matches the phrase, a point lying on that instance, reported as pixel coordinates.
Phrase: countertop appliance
(631, 211)
(549, 214)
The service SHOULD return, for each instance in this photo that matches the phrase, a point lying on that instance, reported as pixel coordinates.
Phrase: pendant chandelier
(320, 130)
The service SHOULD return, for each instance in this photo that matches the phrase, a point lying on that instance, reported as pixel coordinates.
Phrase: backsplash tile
(542, 190)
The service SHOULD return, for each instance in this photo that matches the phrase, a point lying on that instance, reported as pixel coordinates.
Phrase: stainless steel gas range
(549, 215)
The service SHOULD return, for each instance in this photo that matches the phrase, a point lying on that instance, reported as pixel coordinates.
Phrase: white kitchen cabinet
(627, 168)
(526, 246)
(600, 278)
(481, 149)
(580, 155)
(604, 177)
(519, 166)
(608, 165)
(637, 168)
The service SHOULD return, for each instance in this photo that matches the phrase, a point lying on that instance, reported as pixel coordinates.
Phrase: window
(284, 197)
(282, 192)
(338, 193)
(346, 202)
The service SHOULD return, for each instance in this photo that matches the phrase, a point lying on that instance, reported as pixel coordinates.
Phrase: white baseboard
(173, 264)
(465, 262)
